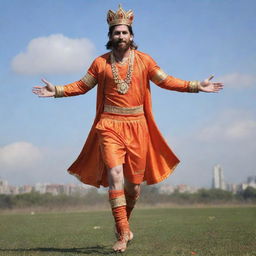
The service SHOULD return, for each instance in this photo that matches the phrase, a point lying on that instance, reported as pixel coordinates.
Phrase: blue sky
(40, 138)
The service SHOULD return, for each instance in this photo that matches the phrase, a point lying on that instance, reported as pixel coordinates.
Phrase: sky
(189, 39)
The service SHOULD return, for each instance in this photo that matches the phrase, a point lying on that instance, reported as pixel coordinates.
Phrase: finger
(211, 77)
(38, 87)
(217, 83)
(45, 81)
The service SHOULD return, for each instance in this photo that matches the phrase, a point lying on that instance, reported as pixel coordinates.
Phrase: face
(121, 37)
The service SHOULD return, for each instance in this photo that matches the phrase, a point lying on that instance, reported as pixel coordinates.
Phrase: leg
(118, 205)
(132, 192)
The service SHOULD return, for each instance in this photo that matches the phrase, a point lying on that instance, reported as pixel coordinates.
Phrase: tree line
(149, 196)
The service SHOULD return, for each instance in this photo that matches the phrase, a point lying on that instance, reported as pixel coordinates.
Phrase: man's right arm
(76, 88)
(81, 86)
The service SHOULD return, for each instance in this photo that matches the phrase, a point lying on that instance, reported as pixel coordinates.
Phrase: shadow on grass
(100, 250)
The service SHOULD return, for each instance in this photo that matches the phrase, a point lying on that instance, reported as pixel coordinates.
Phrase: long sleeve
(81, 86)
(163, 80)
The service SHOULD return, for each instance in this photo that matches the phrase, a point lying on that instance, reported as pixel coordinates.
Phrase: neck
(121, 54)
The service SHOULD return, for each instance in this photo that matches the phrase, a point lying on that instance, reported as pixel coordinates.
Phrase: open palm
(208, 86)
(44, 91)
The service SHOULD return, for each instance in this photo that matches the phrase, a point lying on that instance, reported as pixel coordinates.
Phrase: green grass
(166, 231)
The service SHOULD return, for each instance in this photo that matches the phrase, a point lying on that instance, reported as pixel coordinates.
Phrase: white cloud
(238, 80)
(242, 129)
(54, 54)
(19, 155)
(228, 139)
(230, 125)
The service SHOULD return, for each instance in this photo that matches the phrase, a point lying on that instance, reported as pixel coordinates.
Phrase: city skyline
(218, 182)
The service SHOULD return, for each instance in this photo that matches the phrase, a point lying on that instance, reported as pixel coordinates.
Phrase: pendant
(122, 87)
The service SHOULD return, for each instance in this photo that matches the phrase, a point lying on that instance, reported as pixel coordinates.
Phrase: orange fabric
(161, 161)
(124, 140)
(122, 224)
(119, 213)
(134, 96)
(76, 88)
(115, 193)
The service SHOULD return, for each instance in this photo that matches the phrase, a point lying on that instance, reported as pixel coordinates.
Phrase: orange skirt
(124, 140)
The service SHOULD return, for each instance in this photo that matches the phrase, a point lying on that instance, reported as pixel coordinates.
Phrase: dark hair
(110, 32)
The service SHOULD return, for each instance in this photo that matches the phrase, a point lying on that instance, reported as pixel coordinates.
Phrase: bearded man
(124, 147)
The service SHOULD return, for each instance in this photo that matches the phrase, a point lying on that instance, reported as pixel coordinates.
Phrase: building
(218, 178)
(4, 187)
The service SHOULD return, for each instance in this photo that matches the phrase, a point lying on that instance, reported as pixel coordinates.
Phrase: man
(124, 147)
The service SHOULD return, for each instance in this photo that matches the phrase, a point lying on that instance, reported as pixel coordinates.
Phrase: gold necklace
(122, 86)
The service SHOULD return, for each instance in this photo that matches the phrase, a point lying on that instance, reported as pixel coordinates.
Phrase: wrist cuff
(194, 86)
(59, 91)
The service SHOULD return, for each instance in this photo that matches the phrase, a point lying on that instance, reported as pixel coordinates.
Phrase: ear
(131, 38)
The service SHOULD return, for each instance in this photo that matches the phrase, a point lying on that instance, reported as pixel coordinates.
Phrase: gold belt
(123, 111)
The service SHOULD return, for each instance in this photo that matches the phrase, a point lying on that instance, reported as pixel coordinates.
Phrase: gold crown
(121, 17)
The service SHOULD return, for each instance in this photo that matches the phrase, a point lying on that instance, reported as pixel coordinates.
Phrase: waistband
(123, 111)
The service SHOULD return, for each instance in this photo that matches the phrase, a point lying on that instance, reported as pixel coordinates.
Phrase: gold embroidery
(193, 86)
(119, 201)
(59, 91)
(159, 76)
(139, 171)
(89, 80)
(123, 111)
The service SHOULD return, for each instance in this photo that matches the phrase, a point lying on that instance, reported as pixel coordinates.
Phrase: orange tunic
(161, 161)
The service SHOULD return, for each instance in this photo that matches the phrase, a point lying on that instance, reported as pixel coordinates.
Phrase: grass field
(161, 231)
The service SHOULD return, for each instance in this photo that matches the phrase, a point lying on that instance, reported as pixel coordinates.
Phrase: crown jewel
(121, 17)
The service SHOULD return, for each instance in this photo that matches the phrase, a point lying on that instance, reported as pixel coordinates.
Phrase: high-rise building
(218, 178)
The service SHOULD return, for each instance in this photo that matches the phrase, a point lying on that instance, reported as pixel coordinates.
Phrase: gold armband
(89, 80)
(59, 91)
(159, 76)
(194, 86)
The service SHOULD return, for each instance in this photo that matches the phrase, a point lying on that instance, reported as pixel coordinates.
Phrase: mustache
(121, 41)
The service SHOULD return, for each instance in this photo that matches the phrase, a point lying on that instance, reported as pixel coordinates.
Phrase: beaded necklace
(122, 86)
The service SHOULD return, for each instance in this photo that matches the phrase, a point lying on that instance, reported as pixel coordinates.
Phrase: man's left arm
(160, 78)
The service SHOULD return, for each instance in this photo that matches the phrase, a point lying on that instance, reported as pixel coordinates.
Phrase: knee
(133, 190)
(116, 173)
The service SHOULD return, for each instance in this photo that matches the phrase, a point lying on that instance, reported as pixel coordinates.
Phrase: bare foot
(130, 235)
(121, 244)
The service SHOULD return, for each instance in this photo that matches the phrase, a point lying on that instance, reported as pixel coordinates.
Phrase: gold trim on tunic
(194, 86)
(59, 91)
(116, 202)
(89, 80)
(123, 111)
(159, 76)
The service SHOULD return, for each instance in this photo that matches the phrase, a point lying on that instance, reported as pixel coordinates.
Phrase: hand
(44, 91)
(207, 86)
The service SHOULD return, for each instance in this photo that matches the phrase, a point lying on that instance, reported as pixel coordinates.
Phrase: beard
(121, 45)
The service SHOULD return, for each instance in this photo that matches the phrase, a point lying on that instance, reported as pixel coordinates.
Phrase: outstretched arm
(160, 78)
(79, 87)
(171, 83)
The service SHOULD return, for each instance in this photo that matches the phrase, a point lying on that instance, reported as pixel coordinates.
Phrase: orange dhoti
(124, 140)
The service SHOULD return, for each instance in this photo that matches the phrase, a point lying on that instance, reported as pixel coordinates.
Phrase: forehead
(120, 28)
